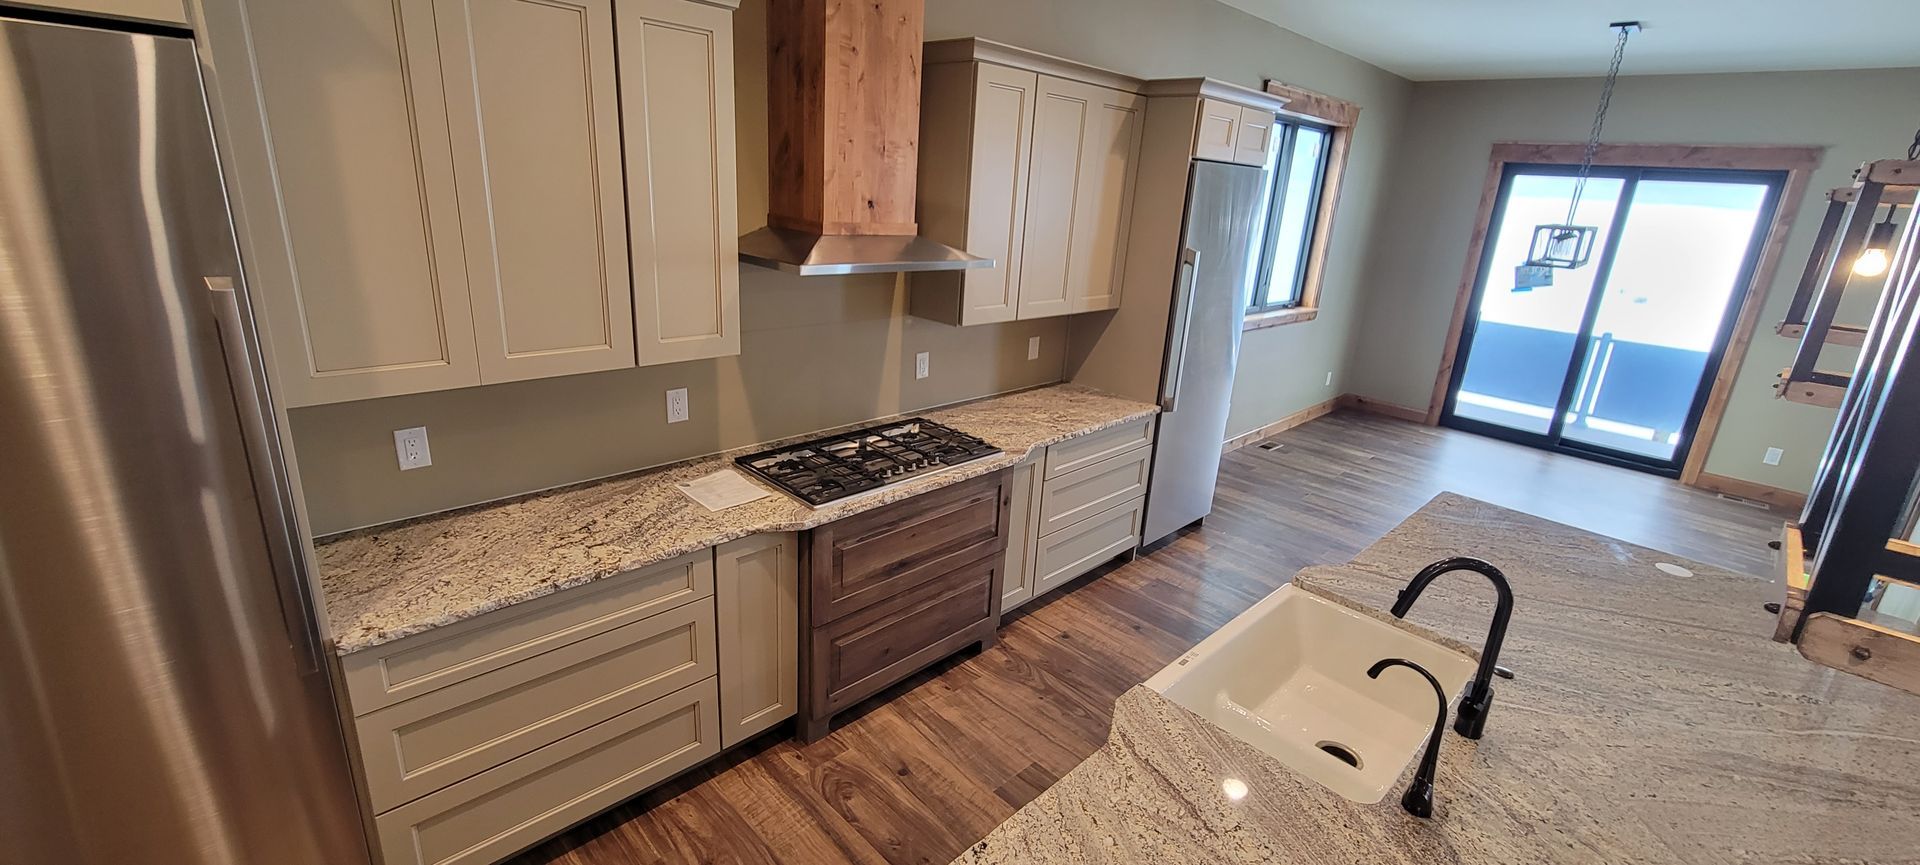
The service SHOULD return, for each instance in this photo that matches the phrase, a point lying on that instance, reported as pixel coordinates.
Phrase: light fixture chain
(1600, 119)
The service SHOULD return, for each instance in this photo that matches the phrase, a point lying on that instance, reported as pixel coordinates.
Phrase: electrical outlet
(410, 445)
(1033, 348)
(1773, 456)
(920, 364)
(1329, 378)
(676, 405)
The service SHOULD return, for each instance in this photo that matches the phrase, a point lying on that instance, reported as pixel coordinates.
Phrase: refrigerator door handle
(1177, 333)
(262, 444)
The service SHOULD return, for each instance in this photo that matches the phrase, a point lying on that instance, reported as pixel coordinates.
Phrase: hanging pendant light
(1569, 244)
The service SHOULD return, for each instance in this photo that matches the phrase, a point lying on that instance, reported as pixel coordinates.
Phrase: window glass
(1292, 202)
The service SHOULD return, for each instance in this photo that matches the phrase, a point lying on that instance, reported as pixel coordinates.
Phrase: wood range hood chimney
(843, 141)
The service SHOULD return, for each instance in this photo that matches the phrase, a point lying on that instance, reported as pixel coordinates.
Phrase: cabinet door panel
(371, 298)
(1254, 139)
(533, 104)
(757, 586)
(1103, 199)
(676, 91)
(1217, 131)
(1023, 516)
(1061, 117)
(997, 190)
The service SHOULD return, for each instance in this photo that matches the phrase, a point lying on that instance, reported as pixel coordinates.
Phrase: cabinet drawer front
(864, 559)
(1093, 447)
(1086, 491)
(1081, 547)
(384, 675)
(876, 647)
(504, 810)
(418, 746)
(1217, 130)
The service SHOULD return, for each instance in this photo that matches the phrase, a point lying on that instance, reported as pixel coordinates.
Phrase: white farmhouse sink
(1289, 677)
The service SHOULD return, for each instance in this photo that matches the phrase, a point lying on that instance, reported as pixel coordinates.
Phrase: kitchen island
(1652, 720)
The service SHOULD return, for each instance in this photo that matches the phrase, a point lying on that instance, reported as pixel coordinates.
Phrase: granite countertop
(388, 582)
(1653, 720)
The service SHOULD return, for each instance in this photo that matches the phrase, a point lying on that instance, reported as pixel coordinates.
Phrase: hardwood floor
(930, 766)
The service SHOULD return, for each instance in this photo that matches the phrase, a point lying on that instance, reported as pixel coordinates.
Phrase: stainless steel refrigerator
(1203, 343)
(163, 698)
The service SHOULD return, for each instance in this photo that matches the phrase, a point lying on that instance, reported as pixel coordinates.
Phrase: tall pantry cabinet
(445, 193)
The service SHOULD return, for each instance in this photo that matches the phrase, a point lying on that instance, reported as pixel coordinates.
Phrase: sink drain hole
(1341, 753)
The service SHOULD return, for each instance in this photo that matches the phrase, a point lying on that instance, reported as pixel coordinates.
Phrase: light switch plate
(410, 446)
(1773, 456)
(920, 364)
(1033, 348)
(676, 405)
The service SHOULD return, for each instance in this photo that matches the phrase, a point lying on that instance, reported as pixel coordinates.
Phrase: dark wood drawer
(867, 558)
(865, 652)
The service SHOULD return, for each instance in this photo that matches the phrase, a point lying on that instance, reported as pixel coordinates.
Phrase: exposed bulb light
(1873, 259)
(1872, 262)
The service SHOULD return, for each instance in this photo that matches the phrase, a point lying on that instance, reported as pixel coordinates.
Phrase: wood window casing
(1338, 117)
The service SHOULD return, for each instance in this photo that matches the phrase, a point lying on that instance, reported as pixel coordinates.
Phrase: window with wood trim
(1302, 192)
(1296, 179)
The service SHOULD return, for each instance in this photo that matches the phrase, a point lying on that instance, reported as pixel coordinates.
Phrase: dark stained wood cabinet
(887, 592)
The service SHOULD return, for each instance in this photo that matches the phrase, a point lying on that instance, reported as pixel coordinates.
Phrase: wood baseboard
(1383, 408)
(1777, 497)
(1319, 409)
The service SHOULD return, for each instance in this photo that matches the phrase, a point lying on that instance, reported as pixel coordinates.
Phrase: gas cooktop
(834, 467)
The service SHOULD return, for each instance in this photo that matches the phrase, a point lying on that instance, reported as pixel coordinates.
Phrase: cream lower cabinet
(1016, 578)
(1076, 505)
(1030, 161)
(478, 739)
(757, 594)
(443, 193)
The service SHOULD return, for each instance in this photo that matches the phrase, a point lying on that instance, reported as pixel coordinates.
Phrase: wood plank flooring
(933, 764)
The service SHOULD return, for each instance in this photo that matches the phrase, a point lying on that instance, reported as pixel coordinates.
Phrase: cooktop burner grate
(833, 467)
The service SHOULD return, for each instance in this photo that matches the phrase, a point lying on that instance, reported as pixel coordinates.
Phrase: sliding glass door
(1611, 360)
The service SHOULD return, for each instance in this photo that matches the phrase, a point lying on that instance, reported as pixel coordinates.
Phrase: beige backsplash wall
(821, 352)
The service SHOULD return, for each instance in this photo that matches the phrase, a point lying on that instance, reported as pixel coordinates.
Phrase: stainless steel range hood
(809, 254)
(843, 141)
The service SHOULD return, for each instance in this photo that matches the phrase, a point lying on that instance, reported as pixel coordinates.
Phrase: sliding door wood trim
(1797, 162)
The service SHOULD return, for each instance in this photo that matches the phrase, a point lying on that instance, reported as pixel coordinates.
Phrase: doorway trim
(1797, 162)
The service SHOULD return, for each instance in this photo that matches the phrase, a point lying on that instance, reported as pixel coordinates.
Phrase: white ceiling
(1431, 40)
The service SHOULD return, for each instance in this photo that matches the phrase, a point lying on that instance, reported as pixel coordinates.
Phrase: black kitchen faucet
(1472, 720)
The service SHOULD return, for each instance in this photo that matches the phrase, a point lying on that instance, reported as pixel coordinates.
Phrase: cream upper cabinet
(168, 11)
(535, 110)
(463, 192)
(976, 127)
(1225, 131)
(757, 607)
(1253, 142)
(1217, 131)
(1102, 196)
(676, 92)
(369, 295)
(1028, 160)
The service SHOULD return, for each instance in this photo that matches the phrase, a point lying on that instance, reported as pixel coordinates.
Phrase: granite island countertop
(1652, 720)
(396, 580)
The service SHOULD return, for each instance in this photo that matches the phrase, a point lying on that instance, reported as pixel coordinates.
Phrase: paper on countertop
(723, 489)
